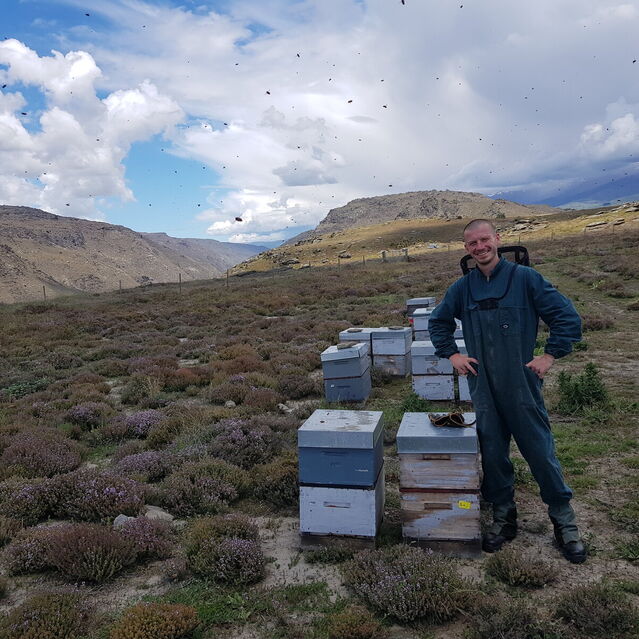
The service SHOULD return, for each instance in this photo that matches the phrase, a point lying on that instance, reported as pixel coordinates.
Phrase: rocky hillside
(434, 205)
(67, 255)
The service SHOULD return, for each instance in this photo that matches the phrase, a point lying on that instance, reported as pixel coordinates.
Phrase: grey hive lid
(418, 312)
(461, 345)
(422, 348)
(352, 351)
(341, 429)
(416, 434)
(392, 332)
(356, 333)
(429, 301)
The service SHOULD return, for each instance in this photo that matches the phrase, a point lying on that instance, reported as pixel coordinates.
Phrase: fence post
(405, 253)
(363, 260)
(383, 256)
(119, 286)
(339, 263)
(227, 278)
(180, 283)
(44, 293)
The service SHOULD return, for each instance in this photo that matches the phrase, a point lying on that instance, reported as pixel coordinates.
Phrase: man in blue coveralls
(499, 304)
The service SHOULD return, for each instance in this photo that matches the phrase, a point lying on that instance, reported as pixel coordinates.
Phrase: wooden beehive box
(439, 482)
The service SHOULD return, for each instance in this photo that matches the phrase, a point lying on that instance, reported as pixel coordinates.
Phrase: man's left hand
(540, 364)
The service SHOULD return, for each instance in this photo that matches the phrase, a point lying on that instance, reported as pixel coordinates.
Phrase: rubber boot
(564, 524)
(504, 527)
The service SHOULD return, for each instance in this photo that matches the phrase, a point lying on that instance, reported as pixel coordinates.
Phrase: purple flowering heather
(231, 560)
(89, 415)
(27, 553)
(152, 539)
(138, 424)
(147, 466)
(241, 443)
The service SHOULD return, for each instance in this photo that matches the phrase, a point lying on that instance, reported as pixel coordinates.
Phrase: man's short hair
(473, 224)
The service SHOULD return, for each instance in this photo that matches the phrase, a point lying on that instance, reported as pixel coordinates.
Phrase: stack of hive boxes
(439, 484)
(419, 302)
(420, 325)
(341, 473)
(347, 372)
(391, 349)
(433, 376)
(360, 335)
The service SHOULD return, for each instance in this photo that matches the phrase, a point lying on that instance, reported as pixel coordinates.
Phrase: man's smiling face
(482, 242)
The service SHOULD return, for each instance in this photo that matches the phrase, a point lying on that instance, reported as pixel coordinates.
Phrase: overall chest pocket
(509, 321)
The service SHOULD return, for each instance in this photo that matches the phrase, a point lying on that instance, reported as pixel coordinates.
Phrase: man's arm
(441, 328)
(562, 319)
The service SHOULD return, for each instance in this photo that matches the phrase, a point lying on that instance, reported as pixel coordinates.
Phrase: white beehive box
(392, 340)
(435, 387)
(398, 365)
(342, 511)
(425, 362)
(356, 334)
(464, 390)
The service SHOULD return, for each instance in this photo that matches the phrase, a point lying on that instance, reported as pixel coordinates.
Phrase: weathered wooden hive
(341, 473)
(439, 484)
(346, 369)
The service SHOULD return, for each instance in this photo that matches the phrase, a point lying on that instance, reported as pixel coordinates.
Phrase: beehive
(341, 448)
(439, 481)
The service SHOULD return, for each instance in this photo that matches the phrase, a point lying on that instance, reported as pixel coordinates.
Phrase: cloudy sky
(247, 120)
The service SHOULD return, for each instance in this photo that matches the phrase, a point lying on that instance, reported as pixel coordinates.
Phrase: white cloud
(328, 100)
(256, 238)
(75, 155)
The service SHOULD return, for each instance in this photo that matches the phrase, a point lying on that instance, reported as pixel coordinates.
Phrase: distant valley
(66, 255)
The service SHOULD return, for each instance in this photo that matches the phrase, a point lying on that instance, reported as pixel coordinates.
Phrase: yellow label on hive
(464, 504)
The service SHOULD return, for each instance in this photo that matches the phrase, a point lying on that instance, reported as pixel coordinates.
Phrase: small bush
(204, 529)
(89, 552)
(263, 399)
(242, 443)
(9, 528)
(407, 583)
(47, 616)
(235, 392)
(156, 621)
(277, 482)
(27, 552)
(89, 415)
(298, 386)
(511, 620)
(581, 391)
(202, 487)
(354, 622)
(87, 495)
(596, 323)
(41, 453)
(140, 387)
(139, 424)
(28, 500)
(147, 466)
(416, 404)
(519, 569)
(599, 610)
(328, 555)
(151, 539)
(231, 561)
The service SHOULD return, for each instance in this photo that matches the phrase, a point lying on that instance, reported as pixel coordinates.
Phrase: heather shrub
(264, 399)
(40, 453)
(242, 443)
(227, 391)
(47, 616)
(88, 495)
(515, 619)
(147, 466)
(139, 424)
(127, 448)
(520, 569)
(4, 585)
(111, 368)
(277, 482)
(599, 610)
(140, 387)
(180, 379)
(61, 360)
(151, 538)
(596, 323)
(407, 583)
(9, 528)
(114, 430)
(581, 391)
(89, 552)
(297, 385)
(27, 552)
(89, 414)
(354, 622)
(165, 431)
(203, 487)
(204, 529)
(28, 500)
(230, 560)
(156, 621)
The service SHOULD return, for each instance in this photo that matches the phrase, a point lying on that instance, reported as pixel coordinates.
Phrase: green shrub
(47, 616)
(581, 391)
(354, 622)
(627, 515)
(599, 610)
(230, 560)
(205, 528)
(9, 528)
(140, 387)
(407, 583)
(416, 404)
(516, 619)
(328, 555)
(277, 482)
(89, 552)
(156, 621)
(519, 569)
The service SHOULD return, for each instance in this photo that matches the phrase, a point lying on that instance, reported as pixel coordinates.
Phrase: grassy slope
(293, 316)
